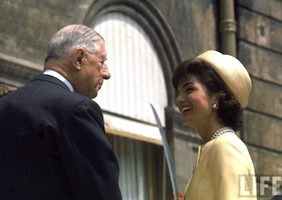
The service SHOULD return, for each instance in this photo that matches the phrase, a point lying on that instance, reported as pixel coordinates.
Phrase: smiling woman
(194, 102)
(197, 83)
(212, 100)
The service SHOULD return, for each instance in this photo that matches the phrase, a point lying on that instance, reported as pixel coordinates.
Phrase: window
(137, 80)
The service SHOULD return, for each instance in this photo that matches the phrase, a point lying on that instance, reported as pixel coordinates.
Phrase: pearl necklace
(221, 131)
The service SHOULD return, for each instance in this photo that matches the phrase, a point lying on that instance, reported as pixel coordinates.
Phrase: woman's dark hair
(229, 109)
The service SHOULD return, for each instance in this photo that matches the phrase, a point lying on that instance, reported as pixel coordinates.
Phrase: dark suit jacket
(53, 145)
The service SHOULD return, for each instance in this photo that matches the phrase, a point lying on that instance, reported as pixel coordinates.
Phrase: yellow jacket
(224, 171)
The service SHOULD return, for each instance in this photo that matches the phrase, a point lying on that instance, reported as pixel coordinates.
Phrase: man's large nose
(106, 72)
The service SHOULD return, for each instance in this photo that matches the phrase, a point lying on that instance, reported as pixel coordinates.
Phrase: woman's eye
(188, 89)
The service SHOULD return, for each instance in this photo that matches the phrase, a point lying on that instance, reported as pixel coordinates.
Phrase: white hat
(232, 72)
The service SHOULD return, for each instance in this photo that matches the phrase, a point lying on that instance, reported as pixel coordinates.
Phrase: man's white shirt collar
(55, 74)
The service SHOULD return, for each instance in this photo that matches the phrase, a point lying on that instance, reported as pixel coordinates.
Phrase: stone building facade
(177, 30)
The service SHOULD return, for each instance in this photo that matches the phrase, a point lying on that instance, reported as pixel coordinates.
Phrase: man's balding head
(70, 37)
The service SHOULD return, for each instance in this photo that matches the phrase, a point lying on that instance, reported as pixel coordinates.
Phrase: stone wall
(260, 49)
(26, 26)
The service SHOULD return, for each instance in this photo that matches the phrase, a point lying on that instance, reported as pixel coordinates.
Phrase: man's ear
(77, 57)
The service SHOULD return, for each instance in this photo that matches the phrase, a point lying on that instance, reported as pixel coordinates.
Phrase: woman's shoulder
(225, 140)
(230, 140)
(227, 145)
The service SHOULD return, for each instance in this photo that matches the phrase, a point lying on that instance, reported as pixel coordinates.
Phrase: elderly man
(53, 142)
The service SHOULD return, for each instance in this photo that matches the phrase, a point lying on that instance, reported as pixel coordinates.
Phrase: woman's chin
(186, 122)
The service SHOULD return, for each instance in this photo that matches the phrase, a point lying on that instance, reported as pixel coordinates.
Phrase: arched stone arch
(154, 24)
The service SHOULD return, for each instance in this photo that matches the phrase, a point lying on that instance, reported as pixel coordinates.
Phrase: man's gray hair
(71, 37)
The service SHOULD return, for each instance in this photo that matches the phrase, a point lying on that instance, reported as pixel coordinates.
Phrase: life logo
(262, 186)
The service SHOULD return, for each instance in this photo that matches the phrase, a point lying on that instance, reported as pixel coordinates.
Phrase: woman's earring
(214, 106)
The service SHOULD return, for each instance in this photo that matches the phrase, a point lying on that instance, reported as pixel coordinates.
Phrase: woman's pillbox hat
(232, 72)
